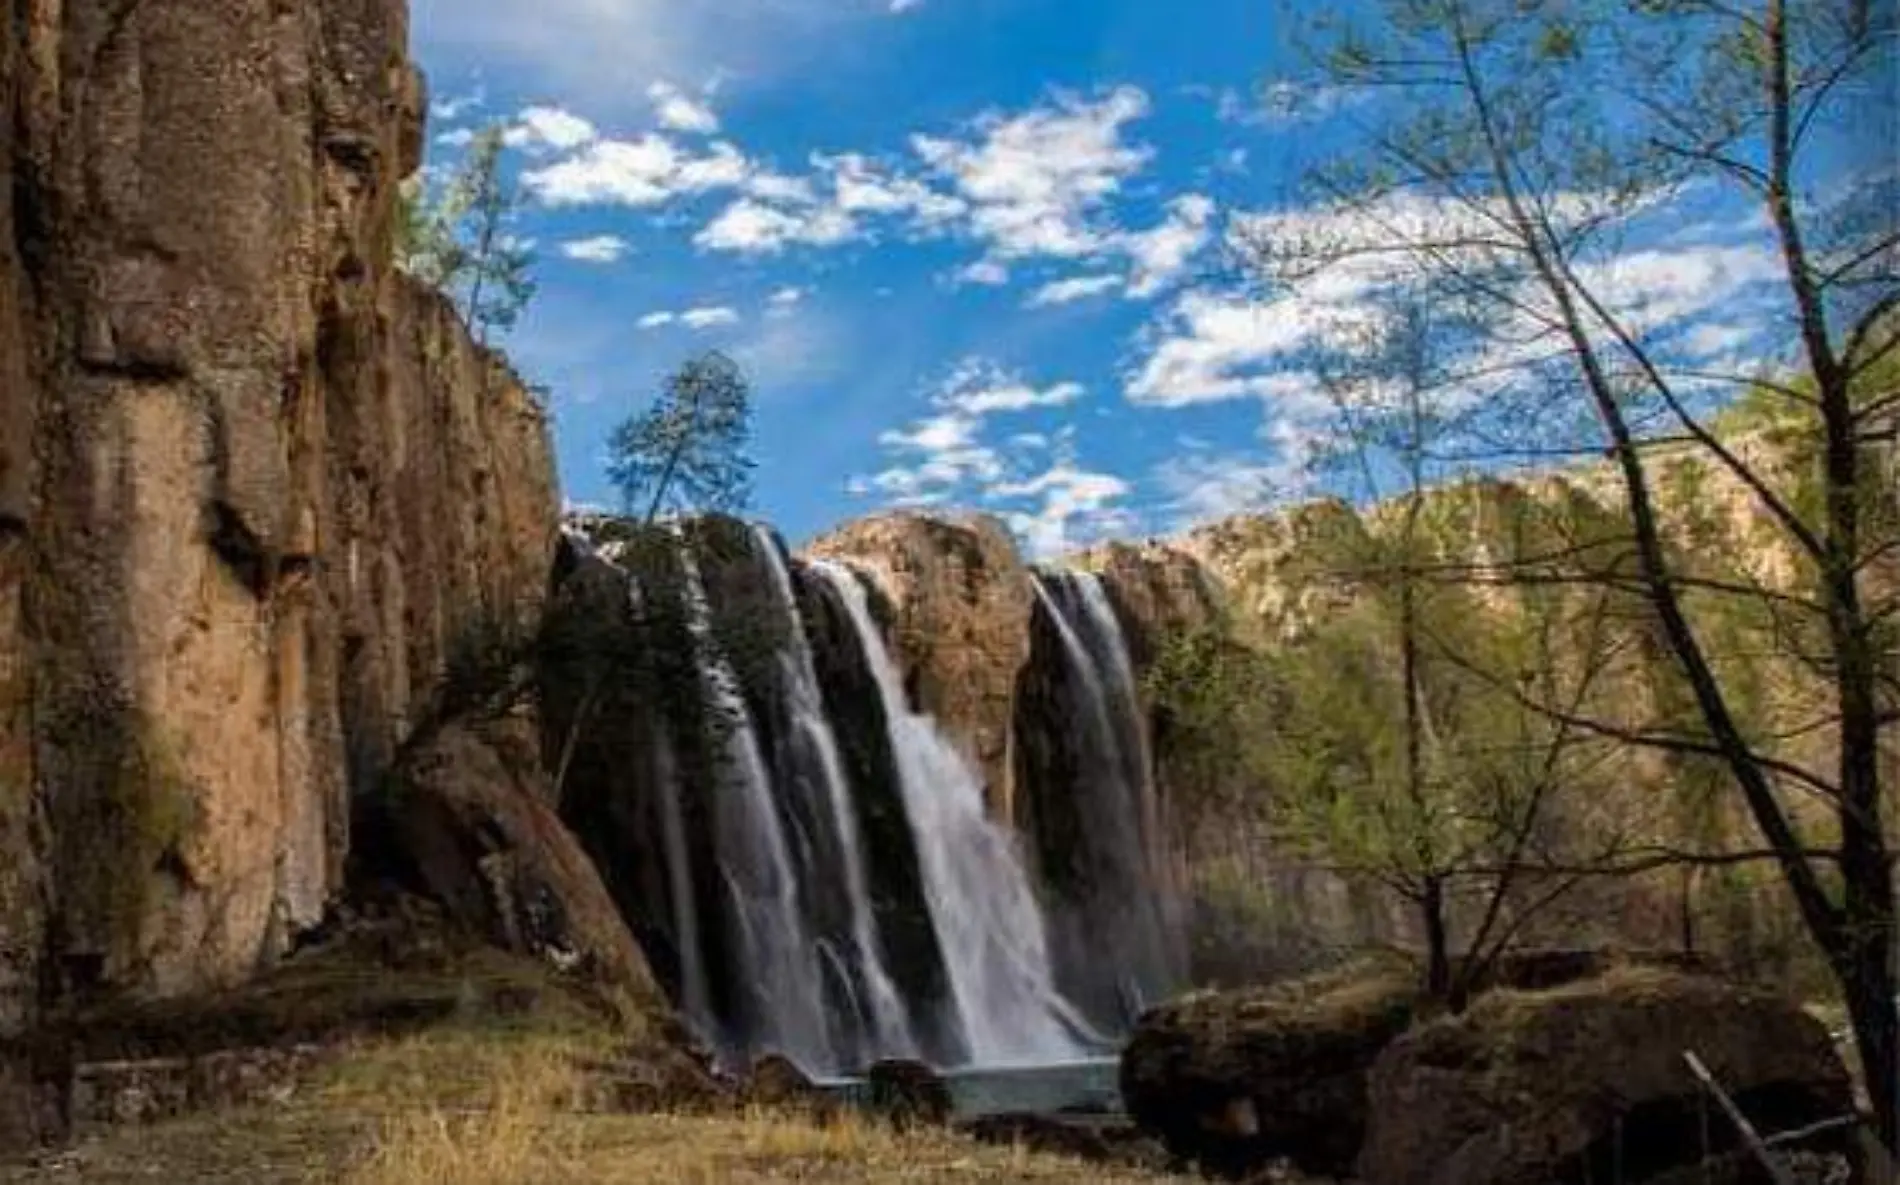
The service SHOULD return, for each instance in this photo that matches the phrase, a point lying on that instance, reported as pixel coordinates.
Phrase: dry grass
(522, 1146)
(487, 1102)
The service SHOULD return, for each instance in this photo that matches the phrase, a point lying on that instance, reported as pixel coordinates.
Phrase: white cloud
(703, 317)
(787, 296)
(901, 6)
(1161, 254)
(1073, 289)
(677, 110)
(646, 172)
(450, 107)
(1036, 181)
(456, 138)
(1216, 347)
(751, 227)
(1201, 487)
(987, 272)
(977, 387)
(941, 454)
(1693, 299)
(599, 249)
(708, 317)
(549, 129)
(776, 187)
(860, 186)
(1283, 103)
(1076, 508)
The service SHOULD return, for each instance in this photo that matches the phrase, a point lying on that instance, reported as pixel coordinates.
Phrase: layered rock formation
(252, 482)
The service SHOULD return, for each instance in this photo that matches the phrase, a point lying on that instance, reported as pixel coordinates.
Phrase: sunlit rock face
(960, 598)
(252, 482)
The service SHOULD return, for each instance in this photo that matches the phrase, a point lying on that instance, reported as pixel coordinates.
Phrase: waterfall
(1122, 919)
(878, 1006)
(988, 922)
(784, 987)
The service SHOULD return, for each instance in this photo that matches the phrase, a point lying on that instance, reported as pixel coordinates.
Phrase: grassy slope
(481, 1099)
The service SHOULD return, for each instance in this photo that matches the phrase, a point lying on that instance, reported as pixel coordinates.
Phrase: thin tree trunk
(1437, 940)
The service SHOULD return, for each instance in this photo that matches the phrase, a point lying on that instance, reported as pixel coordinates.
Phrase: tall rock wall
(251, 481)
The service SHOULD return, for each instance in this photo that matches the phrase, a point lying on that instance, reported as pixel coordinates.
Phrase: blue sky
(967, 250)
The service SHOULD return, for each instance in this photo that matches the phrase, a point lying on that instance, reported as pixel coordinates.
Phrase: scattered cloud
(1214, 346)
(986, 272)
(707, 318)
(1073, 289)
(1162, 254)
(942, 454)
(1035, 182)
(1077, 506)
(787, 296)
(862, 186)
(902, 6)
(680, 112)
(751, 227)
(541, 130)
(649, 171)
(704, 317)
(598, 249)
(1199, 487)
(450, 107)
(1282, 103)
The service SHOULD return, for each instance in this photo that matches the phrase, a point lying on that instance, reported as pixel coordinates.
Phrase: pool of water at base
(976, 1091)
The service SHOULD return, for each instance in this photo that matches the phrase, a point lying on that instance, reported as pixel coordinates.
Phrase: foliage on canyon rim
(1533, 137)
(456, 236)
(690, 449)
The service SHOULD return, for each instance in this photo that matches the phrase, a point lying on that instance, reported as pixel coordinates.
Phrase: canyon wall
(252, 481)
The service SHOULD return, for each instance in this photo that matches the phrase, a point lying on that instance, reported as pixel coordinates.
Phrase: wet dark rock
(907, 1092)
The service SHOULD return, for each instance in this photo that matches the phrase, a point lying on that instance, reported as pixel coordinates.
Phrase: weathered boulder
(1559, 1086)
(961, 597)
(479, 837)
(907, 1092)
(778, 1082)
(1234, 1080)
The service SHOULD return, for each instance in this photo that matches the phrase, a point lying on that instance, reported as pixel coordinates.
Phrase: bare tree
(1517, 146)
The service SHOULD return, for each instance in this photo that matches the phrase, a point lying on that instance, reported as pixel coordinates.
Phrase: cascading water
(784, 990)
(1119, 921)
(988, 922)
(879, 1009)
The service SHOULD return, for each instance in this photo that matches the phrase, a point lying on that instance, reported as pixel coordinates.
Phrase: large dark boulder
(908, 1092)
(1235, 1080)
(479, 837)
(1580, 1081)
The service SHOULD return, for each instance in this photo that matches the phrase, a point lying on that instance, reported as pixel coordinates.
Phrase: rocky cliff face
(251, 481)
